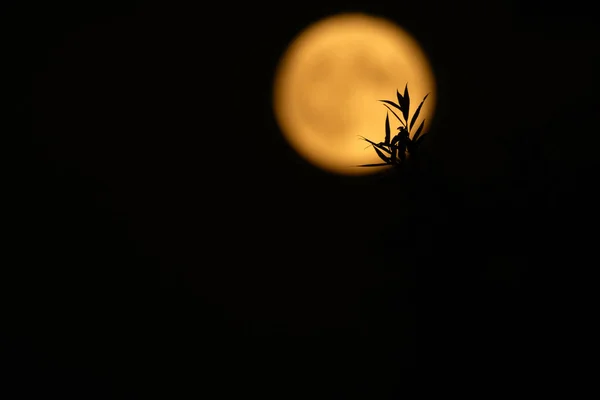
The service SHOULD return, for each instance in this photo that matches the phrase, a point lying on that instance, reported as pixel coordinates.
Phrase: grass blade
(387, 128)
(400, 99)
(419, 130)
(376, 145)
(391, 103)
(414, 118)
(382, 156)
(374, 165)
(396, 115)
(406, 104)
(421, 139)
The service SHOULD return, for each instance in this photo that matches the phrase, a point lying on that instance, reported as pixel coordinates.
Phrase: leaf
(376, 145)
(419, 129)
(400, 99)
(414, 118)
(391, 103)
(387, 128)
(396, 139)
(374, 165)
(396, 115)
(381, 155)
(406, 104)
(421, 139)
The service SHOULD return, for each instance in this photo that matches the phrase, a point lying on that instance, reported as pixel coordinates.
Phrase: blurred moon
(330, 79)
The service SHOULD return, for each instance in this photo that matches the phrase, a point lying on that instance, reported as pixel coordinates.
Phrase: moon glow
(328, 83)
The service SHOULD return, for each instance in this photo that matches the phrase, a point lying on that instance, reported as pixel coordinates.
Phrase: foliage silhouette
(394, 151)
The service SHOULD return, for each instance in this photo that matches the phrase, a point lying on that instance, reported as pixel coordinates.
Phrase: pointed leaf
(381, 155)
(419, 130)
(387, 128)
(406, 104)
(400, 99)
(376, 145)
(421, 139)
(396, 115)
(391, 103)
(383, 146)
(374, 165)
(414, 118)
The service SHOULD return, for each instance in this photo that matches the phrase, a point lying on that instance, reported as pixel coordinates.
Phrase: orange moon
(328, 83)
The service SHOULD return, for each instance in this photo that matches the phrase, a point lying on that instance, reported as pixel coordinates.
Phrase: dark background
(163, 236)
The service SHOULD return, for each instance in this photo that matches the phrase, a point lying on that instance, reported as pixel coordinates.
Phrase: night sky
(163, 236)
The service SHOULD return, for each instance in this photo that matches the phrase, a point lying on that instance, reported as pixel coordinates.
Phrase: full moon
(328, 83)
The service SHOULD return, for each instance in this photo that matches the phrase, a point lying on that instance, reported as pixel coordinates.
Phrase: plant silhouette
(394, 151)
